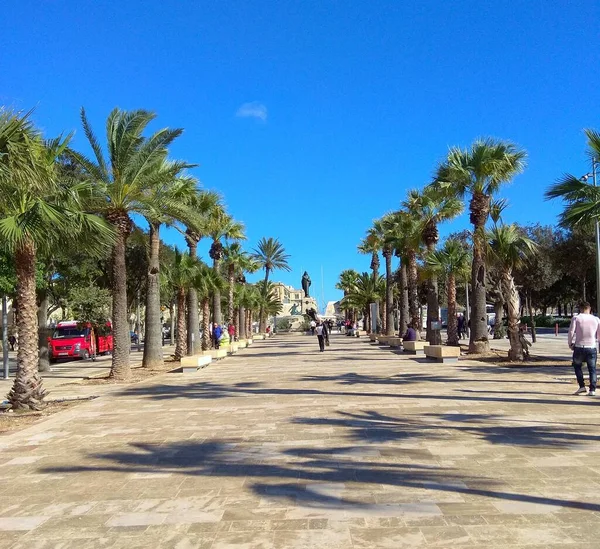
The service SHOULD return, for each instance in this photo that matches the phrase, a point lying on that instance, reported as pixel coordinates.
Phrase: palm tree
(203, 204)
(268, 301)
(221, 226)
(182, 274)
(236, 263)
(405, 238)
(480, 171)
(270, 255)
(451, 262)
(167, 193)
(509, 249)
(206, 282)
(582, 199)
(123, 181)
(38, 209)
(366, 290)
(433, 206)
(347, 281)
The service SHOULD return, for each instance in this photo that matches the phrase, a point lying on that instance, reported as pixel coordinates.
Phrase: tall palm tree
(167, 193)
(346, 282)
(236, 263)
(405, 238)
(206, 282)
(221, 226)
(581, 198)
(203, 204)
(123, 180)
(510, 249)
(365, 291)
(268, 300)
(38, 209)
(480, 171)
(450, 262)
(182, 274)
(433, 206)
(270, 255)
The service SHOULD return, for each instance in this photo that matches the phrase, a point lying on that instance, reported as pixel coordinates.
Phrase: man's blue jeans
(587, 355)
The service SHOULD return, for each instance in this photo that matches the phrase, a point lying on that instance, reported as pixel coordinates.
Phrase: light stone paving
(286, 447)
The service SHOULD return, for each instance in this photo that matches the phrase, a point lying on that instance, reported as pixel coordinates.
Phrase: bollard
(556, 329)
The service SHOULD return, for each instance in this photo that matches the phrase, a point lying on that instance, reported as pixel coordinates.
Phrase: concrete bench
(215, 353)
(257, 337)
(373, 338)
(395, 341)
(233, 347)
(249, 342)
(359, 333)
(242, 344)
(442, 353)
(383, 339)
(190, 364)
(415, 347)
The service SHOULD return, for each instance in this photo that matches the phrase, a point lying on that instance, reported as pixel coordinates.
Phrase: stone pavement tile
(24, 524)
(387, 538)
(262, 513)
(513, 518)
(244, 540)
(440, 536)
(297, 524)
(460, 520)
(310, 539)
(136, 519)
(526, 507)
(472, 508)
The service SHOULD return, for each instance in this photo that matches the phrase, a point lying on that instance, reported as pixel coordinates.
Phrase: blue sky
(347, 104)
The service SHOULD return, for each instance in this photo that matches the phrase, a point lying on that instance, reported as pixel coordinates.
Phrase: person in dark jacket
(217, 333)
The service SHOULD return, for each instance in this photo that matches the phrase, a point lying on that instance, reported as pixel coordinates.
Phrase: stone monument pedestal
(309, 303)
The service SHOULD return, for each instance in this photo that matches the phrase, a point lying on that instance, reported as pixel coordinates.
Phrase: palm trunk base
(27, 393)
(479, 347)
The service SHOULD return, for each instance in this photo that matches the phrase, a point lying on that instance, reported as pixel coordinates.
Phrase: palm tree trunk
(217, 316)
(172, 318)
(242, 323)
(206, 339)
(433, 307)
(262, 319)
(27, 392)
(44, 333)
(193, 322)
(389, 295)
(513, 306)
(153, 354)
(181, 345)
(120, 368)
(499, 323)
(452, 319)
(413, 293)
(404, 308)
(479, 343)
(230, 306)
(531, 315)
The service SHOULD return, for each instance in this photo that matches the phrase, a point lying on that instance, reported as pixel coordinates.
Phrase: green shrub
(546, 321)
(283, 324)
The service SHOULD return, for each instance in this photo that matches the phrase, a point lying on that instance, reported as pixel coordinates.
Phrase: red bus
(72, 339)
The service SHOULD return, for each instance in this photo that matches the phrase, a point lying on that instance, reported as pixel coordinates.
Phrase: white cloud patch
(253, 110)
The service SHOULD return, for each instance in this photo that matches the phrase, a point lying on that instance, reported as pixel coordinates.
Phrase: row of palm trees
(93, 203)
(411, 233)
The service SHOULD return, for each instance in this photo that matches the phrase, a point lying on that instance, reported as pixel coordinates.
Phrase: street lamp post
(585, 178)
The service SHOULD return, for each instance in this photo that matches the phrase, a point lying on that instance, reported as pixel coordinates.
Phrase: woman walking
(320, 331)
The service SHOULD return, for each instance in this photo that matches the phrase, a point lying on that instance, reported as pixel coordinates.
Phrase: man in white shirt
(584, 333)
(313, 325)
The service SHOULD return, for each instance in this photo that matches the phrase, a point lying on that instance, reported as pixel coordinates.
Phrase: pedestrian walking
(231, 331)
(584, 333)
(461, 326)
(313, 325)
(320, 331)
(12, 340)
(217, 333)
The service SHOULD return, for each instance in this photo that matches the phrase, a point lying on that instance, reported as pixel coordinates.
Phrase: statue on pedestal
(306, 284)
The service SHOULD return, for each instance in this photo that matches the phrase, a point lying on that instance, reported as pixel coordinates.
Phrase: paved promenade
(286, 447)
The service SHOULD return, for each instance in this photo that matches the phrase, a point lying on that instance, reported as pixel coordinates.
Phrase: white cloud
(253, 110)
